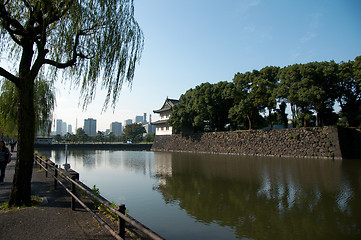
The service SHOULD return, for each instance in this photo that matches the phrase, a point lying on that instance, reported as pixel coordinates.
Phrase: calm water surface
(204, 196)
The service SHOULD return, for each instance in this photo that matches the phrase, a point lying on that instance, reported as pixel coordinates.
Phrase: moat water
(206, 196)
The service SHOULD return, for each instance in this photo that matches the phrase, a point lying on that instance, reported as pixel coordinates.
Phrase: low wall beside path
(318, 142)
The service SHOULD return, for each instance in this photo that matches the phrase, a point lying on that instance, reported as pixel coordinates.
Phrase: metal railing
(57, 172)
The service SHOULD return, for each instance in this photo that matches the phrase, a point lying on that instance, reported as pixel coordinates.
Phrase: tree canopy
(134, 132)
(311, 88)
(205, 107)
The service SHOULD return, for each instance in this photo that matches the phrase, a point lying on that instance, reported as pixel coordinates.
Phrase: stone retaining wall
(296, 142)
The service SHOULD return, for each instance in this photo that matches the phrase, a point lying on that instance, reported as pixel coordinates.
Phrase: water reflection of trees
(265, 198)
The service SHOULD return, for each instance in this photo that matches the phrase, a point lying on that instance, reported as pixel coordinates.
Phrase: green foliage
(103, 38)
(149, 137)
(100, 137)
(111, 137)
(5, 206)
(91, 40)
(58, 138)
(204, 108)
(311, 88)
(134, 132)
(96, 192)
(249, 101)
(44, 101)
(103, 208)
(349, 92)
(81, 136)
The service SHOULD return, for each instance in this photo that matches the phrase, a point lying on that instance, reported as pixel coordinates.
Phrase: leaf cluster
(90, 40)
(134, 132)
(44, 101)
(311, 90)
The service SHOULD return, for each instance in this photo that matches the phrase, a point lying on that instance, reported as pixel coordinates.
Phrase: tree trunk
(293, 110)
(21, 188)
(249, 122)
(270, 118)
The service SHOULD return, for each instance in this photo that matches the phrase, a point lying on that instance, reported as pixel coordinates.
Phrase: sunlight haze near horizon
(191, 42)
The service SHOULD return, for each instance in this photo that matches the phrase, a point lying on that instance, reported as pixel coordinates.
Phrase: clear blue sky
(190, 42)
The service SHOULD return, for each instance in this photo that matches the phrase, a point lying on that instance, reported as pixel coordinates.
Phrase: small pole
(46, 167)
(66, 165)
(121, 222)
(72, 198)
(66, 153)
(74, 176)
(56, 175)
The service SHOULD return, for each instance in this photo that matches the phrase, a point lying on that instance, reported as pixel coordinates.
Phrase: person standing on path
(12, 145)
(5, 158)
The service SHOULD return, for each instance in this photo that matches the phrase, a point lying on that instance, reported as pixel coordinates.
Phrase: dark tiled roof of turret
(168, 105)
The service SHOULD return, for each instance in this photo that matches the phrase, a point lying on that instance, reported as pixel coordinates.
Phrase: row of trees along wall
(296, 142)
(259, 98)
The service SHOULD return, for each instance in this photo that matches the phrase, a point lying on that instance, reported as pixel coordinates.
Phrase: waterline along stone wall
(296, 142)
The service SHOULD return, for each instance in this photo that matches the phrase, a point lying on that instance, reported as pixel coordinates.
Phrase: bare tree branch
(9, 76)
(8, 21)
(76, 54)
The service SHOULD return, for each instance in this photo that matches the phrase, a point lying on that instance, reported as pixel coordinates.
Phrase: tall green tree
(248, 103)
(264, 87)
(184, 114)
(205, 107)
(319, 81)
(100, 137)
(81, 136)
(287, 91)
(90, 40)
(134, 132)
(111, 137)
(349, 91)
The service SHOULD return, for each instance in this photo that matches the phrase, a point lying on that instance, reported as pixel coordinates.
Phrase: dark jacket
(5, 155)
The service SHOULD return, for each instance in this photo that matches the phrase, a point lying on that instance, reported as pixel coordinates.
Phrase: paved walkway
(53, 219)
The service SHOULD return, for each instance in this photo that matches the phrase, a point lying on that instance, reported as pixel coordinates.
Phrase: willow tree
(44, 102)
(92, 41)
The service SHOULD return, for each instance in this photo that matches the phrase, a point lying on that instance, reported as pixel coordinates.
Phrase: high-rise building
(138, 119)
(59, 127)
(116, 128)
(128, 121)
(64, 130)
(149, 128)
(90, 126)
(70, 129)
(145, 118)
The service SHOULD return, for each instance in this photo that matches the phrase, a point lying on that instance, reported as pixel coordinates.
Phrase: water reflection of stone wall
(267, 198)
(295, 142)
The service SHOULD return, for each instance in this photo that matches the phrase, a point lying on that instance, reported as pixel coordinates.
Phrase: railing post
(56, 175)
(74, 176)
(39, 163)
(46, 167)
(121, 222)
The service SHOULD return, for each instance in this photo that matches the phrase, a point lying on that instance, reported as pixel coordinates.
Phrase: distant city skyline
(59, 125)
